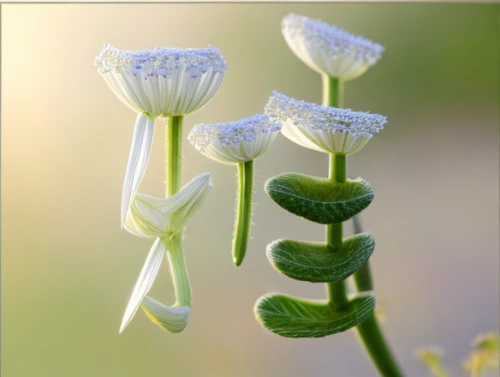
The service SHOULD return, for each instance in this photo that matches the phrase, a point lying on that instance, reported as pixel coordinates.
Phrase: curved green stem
(362, 277)
(173, 183)
(244, 211)
(370, 333)
(369, 330)
(178, 270)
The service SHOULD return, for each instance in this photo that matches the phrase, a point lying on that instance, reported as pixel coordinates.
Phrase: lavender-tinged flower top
(328, 49)
(163, 81)
(325, 129)
(237, 141)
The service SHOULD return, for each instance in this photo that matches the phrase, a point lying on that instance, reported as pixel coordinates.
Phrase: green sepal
(293, 317)
(319, 263)
(318, 199)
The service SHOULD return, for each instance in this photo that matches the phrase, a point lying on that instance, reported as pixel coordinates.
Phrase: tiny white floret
(324, 129)
(235, 142)
(328, 49)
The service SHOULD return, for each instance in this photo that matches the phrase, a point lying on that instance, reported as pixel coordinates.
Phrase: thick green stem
(173, 155)
(173, 183)
(333, 92)
(179, 272)
(369, 330)
(244, 211)
(371, 335)
(336, 291)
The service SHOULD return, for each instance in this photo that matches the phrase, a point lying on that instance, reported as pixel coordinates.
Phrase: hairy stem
(369, 330)
(173, 183)
(244, 211)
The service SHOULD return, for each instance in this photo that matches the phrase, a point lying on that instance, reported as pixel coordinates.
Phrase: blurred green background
(67, 269)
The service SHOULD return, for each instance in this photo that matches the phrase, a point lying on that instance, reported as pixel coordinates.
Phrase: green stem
(369, 330)
(173, 183)
(336, 291)
(371, 335)
(178, 270)
(244, 209)
(333, 92)
(362, 277)
(173, 155)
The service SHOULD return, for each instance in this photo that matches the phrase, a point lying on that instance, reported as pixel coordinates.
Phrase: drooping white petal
(328, 49)
(163, 81)
(235, 142)
(171, 318)
(324, 129)
(164, 217)
(137, 160)
(145, 281)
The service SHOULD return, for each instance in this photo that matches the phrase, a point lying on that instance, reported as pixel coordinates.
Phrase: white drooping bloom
(162, 219)
(328, 49)
(324, 129)
(235, 142)
(161, 82)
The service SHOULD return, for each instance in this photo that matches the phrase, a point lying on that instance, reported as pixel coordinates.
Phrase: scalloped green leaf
(318, 199)
(319, 263)
(293, 317)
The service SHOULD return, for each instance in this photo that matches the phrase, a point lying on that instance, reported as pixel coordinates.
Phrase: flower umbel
(324, 129)
(238, 142)
(235, 142)
(162, 82)
(164, 219)
(328, 49)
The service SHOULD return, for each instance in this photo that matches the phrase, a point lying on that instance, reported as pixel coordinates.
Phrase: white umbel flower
(328, 49)
(235, 142)
(324, 129)
(161, 82)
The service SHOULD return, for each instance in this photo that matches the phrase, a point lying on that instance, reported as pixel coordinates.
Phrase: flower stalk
(173, 183)
(238, 143)
(244, 211)
(369, 330)
(336, 291)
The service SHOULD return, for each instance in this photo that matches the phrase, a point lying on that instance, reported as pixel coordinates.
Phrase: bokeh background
(67, 269)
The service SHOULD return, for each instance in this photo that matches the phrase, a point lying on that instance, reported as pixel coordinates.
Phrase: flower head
(325, 129)
(163, 81)
(235, 142)
(328, 49)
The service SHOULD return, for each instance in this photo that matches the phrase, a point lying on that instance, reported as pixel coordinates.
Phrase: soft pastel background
(67, 269)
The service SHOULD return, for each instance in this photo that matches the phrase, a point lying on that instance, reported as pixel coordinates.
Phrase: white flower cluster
(237, 141)
(328, 49)
(163, 81)
(325, 129)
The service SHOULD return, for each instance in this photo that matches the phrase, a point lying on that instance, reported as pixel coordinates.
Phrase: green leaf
(319, 263)
(319, 199)
(293, 317)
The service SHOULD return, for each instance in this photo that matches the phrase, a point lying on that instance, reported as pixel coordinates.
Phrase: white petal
(137, 160)
(145, 281)
(160, 217)
(179, 208)
(171, 318)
